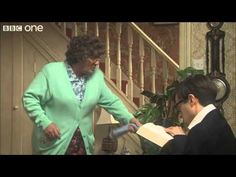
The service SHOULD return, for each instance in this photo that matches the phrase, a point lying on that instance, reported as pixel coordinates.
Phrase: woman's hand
(52, 131)
(136, 122)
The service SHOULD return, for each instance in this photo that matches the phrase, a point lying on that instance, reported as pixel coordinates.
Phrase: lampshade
(106, 118)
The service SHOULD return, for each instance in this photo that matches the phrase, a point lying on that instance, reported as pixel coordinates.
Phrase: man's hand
(52, 131)
(175, 130)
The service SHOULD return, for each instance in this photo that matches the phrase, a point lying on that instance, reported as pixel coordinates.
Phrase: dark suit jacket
(211, 136)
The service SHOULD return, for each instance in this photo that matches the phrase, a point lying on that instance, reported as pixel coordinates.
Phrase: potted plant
(160, 109)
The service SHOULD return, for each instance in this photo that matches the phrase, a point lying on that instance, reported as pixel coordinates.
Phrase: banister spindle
(141, 55)
(108, 59)
(153, 70)
(118, 70)
(85, 28)
(130, 81)
(97, 29)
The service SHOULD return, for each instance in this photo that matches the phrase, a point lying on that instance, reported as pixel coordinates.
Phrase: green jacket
(50, 98)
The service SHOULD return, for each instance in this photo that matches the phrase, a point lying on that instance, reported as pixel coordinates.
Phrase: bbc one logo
(20, 28)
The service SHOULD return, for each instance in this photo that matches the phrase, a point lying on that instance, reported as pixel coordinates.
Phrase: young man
(208, 131)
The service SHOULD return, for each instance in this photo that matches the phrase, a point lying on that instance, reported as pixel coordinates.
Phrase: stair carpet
(124, 84)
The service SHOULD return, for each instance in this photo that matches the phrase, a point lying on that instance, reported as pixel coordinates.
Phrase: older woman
(61, 99)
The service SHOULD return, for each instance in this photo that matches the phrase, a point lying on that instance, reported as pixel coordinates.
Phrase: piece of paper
(154, 133)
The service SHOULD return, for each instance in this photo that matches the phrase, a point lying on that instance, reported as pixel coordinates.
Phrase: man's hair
(200, 86)
(83, 47)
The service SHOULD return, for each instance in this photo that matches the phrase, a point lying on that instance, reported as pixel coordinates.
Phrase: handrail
(154, 45)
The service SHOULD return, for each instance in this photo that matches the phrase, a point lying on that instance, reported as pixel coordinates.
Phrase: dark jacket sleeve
(174, 146)
(212, 136)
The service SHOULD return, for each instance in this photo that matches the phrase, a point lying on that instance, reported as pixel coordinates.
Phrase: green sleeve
(112, 104)
(35, 97)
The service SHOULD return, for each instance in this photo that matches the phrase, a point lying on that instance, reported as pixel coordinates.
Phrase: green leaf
(183, 74)
(147, 93)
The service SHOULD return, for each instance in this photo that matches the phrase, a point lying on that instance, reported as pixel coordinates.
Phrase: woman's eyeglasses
(94, 62)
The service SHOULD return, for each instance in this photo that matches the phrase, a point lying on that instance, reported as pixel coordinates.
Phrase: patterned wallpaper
(198, 50)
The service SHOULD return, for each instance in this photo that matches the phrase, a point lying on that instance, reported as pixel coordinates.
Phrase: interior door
(33, 59)
(21, 60)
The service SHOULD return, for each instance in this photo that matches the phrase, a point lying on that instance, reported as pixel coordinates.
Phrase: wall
(166, 36)
(198, 50)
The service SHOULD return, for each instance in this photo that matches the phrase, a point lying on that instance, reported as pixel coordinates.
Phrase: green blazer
(50, 98)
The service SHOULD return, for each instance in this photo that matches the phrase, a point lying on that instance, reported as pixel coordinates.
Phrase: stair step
(123, 85)
(123, 82)
(102, 66)
(136, 101)
(69, 32)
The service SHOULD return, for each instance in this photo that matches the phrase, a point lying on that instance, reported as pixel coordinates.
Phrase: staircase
(128, 47)
(133, 62)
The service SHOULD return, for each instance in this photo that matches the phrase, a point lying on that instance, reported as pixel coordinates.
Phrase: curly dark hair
(84, 47)
(200, 86)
